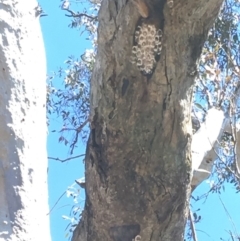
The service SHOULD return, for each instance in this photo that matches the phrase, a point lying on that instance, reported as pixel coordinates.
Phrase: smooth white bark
(23, 159)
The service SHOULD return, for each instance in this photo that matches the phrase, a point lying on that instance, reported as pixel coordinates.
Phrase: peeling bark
(23, 158)
(138, 160)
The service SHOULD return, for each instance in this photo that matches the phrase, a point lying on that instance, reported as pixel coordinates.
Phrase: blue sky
(215, 222)
(61, 42)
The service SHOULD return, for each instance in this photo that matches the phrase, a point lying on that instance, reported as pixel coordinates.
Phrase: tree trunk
(23, 159)
(138, 162)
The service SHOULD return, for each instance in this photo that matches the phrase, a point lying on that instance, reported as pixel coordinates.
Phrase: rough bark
(138, 162)
(23, 159)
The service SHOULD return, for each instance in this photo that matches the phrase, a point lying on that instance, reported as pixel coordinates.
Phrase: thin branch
(204, 233)
(231, 235)
(67, 159)
(229, 216)
(206, 91)
(78, 130)
(194, 234)
(79, 15)
(56, 203)
(234, 135)
(83, 124)
(227, 167)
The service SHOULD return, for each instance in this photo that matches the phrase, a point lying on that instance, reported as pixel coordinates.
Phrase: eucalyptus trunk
(23, 158)
(138, 160)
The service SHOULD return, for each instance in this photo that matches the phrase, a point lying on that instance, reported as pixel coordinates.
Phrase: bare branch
(67, 159)
(229, 216)
(56, 203)
(194, 235)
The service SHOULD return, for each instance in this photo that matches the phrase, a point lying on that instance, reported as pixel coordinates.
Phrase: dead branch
(67, 159)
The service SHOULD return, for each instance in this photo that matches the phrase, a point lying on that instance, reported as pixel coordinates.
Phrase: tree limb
(67, 159)
(192, 226)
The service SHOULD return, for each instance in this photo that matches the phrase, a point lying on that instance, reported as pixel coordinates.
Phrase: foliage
(73, 191)
(68, 100)
(218, 81)
(87, 19)
(217, 84)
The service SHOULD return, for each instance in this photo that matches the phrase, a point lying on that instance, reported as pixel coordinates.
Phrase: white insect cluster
(148, 46)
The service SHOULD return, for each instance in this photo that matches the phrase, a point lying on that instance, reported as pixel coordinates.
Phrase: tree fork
(138, 160)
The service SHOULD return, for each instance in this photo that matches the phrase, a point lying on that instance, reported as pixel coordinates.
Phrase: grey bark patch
(124, 232)
(196, 43)
(111, 114)
(125, 86)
